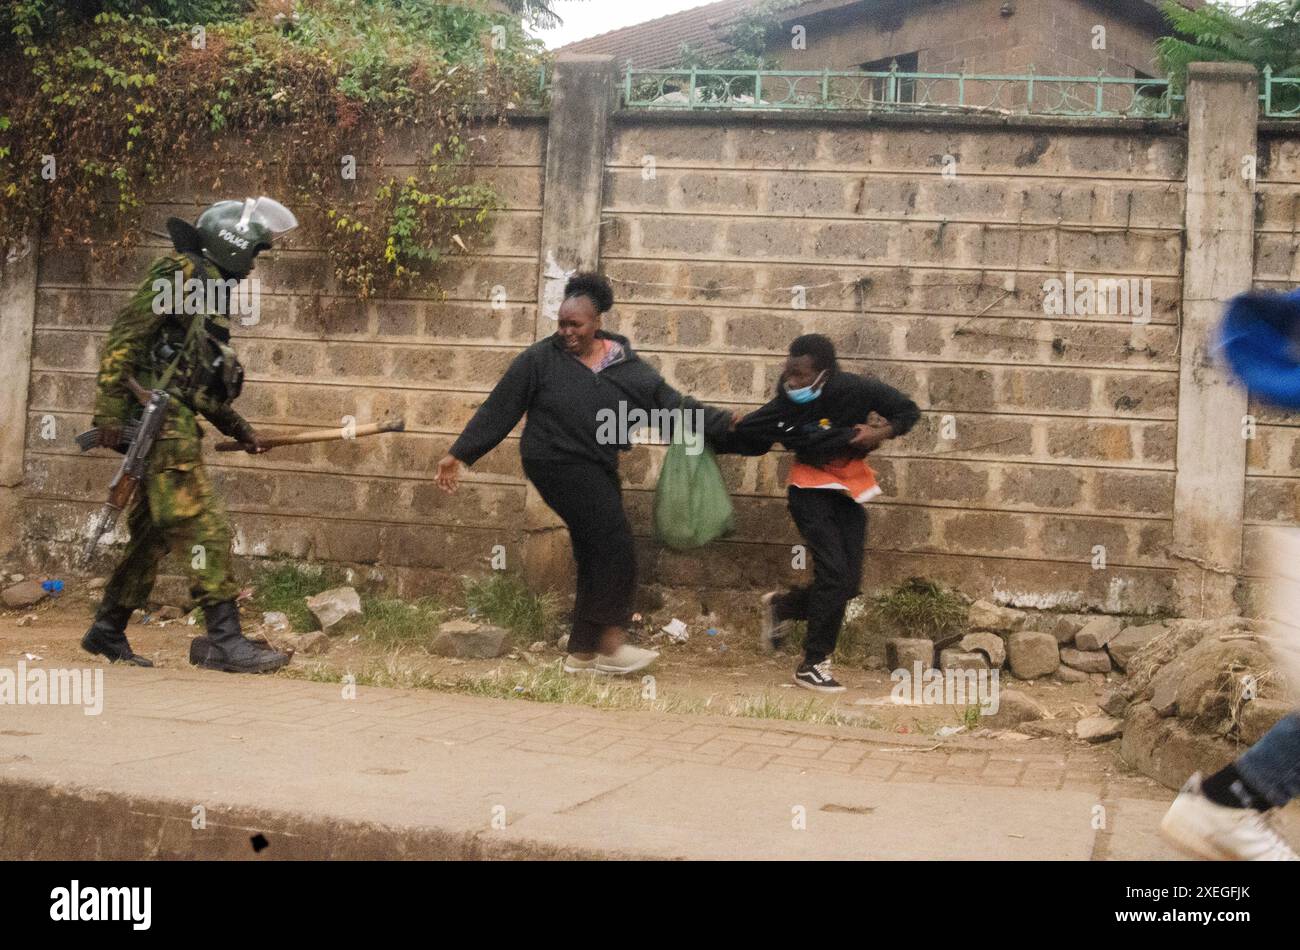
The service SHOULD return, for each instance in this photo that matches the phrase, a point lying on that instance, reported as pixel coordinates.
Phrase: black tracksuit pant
(834, 528)
(589, 500)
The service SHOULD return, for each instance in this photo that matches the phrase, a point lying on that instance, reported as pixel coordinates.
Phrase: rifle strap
(191, 334)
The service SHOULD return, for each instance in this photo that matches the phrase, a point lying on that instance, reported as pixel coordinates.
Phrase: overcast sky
(584, 18)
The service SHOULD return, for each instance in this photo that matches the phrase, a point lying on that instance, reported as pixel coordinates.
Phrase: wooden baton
(321, 435)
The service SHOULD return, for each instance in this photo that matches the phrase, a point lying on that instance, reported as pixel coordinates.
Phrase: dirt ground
(707, 673)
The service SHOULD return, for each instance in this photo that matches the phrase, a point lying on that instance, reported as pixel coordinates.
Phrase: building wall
(1273, 473)
(1064, 427)
(1054, 37)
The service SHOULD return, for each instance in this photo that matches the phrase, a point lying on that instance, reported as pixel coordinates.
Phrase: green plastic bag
(692, 506)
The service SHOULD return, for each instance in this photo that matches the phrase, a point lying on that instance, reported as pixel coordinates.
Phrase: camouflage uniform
(175, 507)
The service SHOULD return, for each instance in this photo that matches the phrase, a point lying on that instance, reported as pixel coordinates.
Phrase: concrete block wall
(1273, 456)
(1065, 426)
(316, 355)
(1066, 433)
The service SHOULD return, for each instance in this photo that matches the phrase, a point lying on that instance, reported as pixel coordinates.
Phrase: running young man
(830, 419)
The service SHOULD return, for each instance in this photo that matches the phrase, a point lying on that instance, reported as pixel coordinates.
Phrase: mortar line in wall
(925, 409)
(888, 502)
(729, 354)
(1082, 226)
(964, 316)
(529, 302)
(781, 452)
(318, 516)
(945, 268)
(910, 173)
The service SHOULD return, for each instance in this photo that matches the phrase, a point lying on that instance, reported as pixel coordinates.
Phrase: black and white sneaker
(817, 677)
(773, 631)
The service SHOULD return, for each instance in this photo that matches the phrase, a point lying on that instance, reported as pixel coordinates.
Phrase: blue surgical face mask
(807, 393)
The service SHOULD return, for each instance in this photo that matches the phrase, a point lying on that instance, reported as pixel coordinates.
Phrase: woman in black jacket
(578, 386)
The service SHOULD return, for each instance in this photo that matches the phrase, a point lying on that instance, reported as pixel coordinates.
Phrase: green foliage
(1266, 34)
(276, 95)
(390, 620)
(503, 599)
(747, 39)
(920, 608)
(285, 587)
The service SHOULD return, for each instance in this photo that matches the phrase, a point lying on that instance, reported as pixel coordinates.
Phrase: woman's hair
(819, 347)
(595, 287)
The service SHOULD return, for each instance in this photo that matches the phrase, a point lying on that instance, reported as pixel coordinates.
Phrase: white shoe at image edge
(1214, 832)
(626, 659)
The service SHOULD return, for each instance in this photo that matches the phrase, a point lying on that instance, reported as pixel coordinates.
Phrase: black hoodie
(566, 404)
(818, 432)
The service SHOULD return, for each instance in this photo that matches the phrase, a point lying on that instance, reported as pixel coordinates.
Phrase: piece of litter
(1011, 835)
(947, 731)
(27, 621)
(712, 631)
(354, 638)
(676, 630)
(32, 657)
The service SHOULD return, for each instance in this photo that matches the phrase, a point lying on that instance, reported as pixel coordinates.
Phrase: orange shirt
(854, 477)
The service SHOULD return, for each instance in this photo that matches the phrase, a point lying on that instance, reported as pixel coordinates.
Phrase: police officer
(174, 335)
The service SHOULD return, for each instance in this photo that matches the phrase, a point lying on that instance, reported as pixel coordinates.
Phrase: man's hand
(869, 437)
(110, 437)
(253, 445)
(449, 474)
(736, 416)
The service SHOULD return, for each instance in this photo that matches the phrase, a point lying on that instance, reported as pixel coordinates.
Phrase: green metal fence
(899, 91)
(1280, 95)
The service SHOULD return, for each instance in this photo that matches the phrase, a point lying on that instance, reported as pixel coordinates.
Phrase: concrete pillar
(583, 94)
(1210, 486)
(17, 318)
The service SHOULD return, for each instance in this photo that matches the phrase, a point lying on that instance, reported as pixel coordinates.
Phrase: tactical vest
(191, 353)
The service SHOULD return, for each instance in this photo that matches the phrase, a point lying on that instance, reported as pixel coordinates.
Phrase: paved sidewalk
(425, 774)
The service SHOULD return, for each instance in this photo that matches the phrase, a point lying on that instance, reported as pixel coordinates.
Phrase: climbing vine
(364, 116)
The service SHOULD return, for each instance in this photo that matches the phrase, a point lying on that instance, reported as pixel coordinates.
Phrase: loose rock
(1114, 703)
(1033, 654)
(315, 642)
(1014, 707)
(27, 620)
(1067, 675)
(960, 660)
(1098, 632)
(986, 615)
(1087, 661)
(332, 607)
(1099, 728)
(1065, 626)
(990, 644)
(1130, 640)
(23, 594)
(902, 653)
(1259, 716)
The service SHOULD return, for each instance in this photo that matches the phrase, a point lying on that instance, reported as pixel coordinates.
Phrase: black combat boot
(225, 648)
(107, 637)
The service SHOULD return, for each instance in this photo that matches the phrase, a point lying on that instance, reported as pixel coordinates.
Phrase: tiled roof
(658, 42)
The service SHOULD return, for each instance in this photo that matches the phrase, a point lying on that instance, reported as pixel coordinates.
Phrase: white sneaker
(1205, 829)
(574, 665)
(626, 659)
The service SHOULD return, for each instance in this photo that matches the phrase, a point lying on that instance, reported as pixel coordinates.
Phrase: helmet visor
(269, 213)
